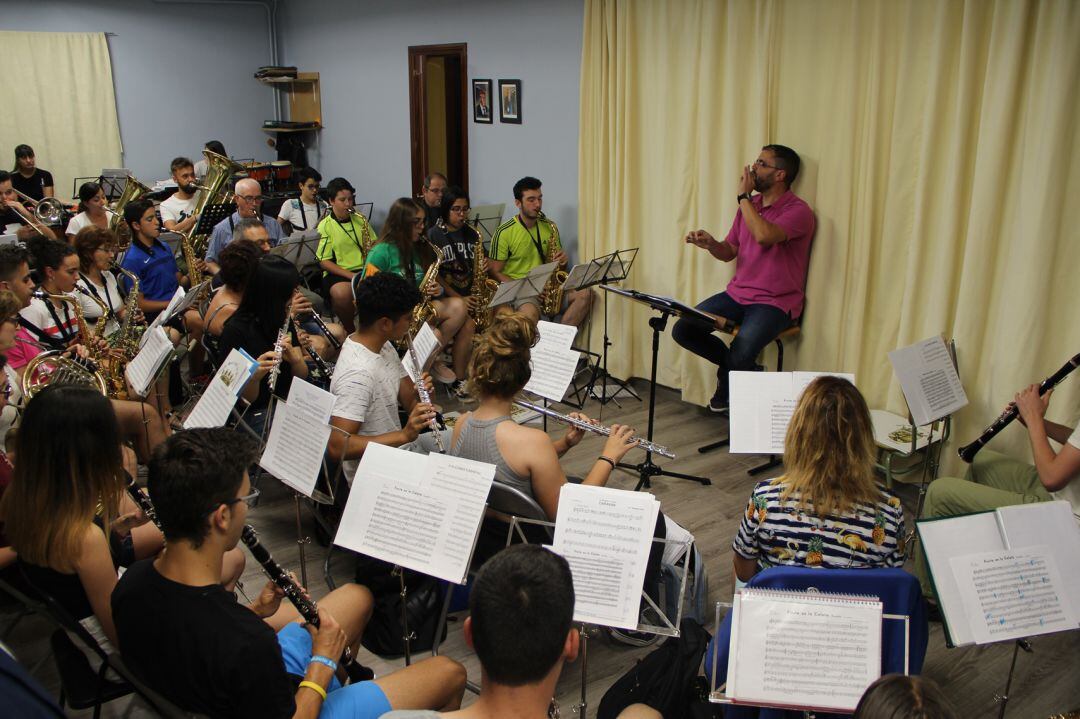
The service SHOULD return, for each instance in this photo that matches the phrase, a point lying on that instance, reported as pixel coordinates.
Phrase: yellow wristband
(315, 688)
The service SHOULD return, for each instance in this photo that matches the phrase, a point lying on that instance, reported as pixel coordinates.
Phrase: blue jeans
(758, 326)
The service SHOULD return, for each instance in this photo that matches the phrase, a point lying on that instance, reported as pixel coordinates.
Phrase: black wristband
(743, 196)
(609, 460)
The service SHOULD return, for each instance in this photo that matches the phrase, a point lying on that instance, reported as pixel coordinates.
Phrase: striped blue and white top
(779, 532)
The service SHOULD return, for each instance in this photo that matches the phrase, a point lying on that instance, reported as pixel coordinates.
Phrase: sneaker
(442, 374)
(718, 404)
(460, 390)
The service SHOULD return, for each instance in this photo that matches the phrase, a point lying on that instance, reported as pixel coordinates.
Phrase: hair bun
(510, 335)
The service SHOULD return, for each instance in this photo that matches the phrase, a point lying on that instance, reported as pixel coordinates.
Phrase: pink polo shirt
(774, 275)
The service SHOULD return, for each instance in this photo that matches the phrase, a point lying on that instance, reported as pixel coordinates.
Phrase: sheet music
(803, 651)
(553, 332)
(536, 279)
(1052, 524)
(606, 534)
(506, 292)
(576, 277)
(1014, 594)
(299, 248)
(295, 447)
(177, 297)
(552, 361)
(217, 401)
(313, 401)
(597, 270)
(761, 406)
(426, 343)
(417, 511)
(186, 301)
(155, 348)
(928, 379)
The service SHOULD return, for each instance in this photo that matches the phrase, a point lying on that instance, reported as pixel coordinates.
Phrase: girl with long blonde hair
(827, 510)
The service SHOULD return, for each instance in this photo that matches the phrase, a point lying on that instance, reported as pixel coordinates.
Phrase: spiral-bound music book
(803, 650)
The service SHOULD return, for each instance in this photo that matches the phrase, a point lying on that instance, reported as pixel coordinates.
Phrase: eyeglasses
(251, 198)
(249, 499)
(761, 163)
(461, 210)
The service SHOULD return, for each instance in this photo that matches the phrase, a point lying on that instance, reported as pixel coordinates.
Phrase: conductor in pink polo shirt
(770, 243)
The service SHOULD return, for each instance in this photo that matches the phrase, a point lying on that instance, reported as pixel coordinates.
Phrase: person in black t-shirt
(13, 212)
(27, 178)
(192, 642)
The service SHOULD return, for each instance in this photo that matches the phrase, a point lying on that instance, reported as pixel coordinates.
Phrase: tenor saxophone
(483, 287)
(553, 290)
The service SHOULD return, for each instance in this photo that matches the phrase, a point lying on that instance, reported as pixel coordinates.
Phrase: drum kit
(274, 177)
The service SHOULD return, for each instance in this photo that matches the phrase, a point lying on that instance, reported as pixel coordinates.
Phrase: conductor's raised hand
(700, 238)
(746, 180)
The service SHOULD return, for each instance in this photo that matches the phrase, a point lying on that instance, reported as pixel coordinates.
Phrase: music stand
(300, 248)
(211, 216)
(486, 219)
(601, 271)
(666, 307)
(112, 182)
(358, 206)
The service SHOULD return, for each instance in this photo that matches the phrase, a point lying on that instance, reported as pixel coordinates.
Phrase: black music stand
(211, 216)
(609, 268)
(666, 307)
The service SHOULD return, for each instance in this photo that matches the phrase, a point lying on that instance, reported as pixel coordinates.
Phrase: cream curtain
(58, 90)
(940, 149)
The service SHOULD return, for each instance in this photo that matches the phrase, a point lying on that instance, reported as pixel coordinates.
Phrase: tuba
(218, 171)
(133, 190)
(553, 290)
(54, 367)
(483, 287)
(425, 311)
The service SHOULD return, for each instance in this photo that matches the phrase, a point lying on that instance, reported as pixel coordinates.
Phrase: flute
(968, 451)
(594, 428)
(424, 396)
(279, 353)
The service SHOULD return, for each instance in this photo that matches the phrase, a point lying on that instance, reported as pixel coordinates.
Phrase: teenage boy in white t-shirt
(369, 379)
(303, 214)
(178, 211)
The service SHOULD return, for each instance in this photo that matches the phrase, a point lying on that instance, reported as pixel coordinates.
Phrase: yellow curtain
(58, 88)
(939, 145)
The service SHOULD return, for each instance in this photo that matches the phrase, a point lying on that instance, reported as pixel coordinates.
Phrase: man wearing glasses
(771, 238)
(248, 204)
(431, 194)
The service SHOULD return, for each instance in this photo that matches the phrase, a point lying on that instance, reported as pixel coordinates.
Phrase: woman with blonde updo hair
(524, 457)
(827, 510)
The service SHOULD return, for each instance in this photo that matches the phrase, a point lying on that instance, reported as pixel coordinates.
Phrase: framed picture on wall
(510, 101)
(481, 101)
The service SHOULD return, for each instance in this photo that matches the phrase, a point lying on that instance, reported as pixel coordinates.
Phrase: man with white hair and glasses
(248, 204)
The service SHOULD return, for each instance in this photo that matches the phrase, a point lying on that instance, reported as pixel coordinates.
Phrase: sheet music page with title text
(761, 406)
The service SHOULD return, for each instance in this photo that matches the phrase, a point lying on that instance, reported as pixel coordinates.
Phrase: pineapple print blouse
(779, 532)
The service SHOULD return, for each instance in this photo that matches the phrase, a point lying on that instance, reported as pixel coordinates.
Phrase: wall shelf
(305, 101)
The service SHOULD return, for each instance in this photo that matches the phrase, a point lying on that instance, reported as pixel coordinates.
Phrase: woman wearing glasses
(403, 251)
(67, 514)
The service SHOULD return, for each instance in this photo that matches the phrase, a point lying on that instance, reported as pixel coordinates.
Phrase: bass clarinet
(968, 451)
(594, 428)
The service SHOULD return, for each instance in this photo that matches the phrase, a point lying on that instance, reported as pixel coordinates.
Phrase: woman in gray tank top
(524, 457)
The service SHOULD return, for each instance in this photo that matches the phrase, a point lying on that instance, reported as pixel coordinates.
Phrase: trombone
(47, 211)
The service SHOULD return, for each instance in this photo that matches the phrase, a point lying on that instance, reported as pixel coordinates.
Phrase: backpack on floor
(383, 633)
(664, 679)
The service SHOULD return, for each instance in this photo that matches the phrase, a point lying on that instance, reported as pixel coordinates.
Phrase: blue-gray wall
(361, 53)
(182, 73)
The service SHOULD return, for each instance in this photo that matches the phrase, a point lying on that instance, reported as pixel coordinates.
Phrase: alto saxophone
(125, 341)
(425, 311)
(483, 287)
(553, 290)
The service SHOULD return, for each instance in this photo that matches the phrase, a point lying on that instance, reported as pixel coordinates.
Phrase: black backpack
(664, 679)
(383, 635)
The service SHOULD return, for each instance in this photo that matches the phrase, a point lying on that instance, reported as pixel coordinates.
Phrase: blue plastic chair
(898, 590)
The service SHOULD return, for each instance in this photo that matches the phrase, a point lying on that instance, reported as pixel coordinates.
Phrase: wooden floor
(1047, 681)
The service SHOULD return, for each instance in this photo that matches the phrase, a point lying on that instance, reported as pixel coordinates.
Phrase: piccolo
(424, 396)
(143, 501)
(968, 451)
(594, 428)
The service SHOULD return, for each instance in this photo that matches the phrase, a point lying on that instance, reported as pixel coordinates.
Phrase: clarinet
(279, 352)
(968, 451)
(424, 396)
(140, 498)
(326, 331)
(320, 364)
(597, 429)
(307, 608)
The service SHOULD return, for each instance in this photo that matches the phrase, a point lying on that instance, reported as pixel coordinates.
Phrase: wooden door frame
(417, 111)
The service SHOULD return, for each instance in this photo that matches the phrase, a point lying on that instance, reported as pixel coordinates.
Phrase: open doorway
(438, 112)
